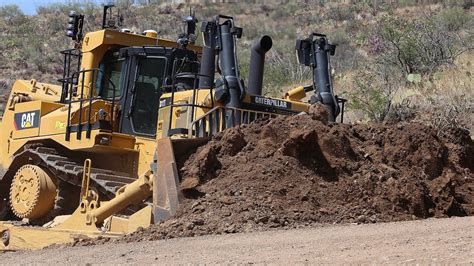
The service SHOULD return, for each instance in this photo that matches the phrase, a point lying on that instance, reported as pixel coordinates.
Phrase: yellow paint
(115, 150)
(32, 238)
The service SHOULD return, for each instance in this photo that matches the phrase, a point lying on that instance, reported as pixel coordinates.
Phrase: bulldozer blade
(15, 237)
(142, 218)
(166, 187)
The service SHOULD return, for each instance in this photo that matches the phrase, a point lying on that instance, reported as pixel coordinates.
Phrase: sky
(29, 6)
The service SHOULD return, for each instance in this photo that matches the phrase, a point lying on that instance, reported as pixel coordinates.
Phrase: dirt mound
(299, 171)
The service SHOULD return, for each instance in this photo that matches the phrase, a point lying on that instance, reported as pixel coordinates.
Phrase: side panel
(26, 122)
(182, 116)
(146, 148)
(29, 118)
(34, 92)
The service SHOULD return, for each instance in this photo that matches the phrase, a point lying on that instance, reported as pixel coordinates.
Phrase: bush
(405, 110)
(453, 19)
(374, 90)
(282, 69)
(346, 57)
(12, 15)
(448, 115)
(339, 13)
(415, 47)
(373, 6)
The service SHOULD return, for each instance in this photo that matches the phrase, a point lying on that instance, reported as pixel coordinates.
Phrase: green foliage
(454, 19)
(339, 14)
(403, 51)
(12, 15)
(405, 3)
(283, 70)
(374, 56)
(10, 11)
(280, 13)
(374, 89)
(373, 6)
(87, 8)
(209, 12)
(419, 46)
(339, 38)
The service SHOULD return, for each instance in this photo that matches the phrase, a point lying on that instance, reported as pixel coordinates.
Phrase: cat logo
(276, 103)
(27, 120)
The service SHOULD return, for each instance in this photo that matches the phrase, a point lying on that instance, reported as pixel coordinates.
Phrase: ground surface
(423, 241)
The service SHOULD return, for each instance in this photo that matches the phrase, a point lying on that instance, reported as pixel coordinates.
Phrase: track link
(70, 170)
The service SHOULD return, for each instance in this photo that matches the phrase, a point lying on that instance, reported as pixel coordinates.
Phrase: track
(70, 170)
(429, 241)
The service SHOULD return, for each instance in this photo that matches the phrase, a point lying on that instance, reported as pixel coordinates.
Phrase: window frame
(106, 76)
(133, 91)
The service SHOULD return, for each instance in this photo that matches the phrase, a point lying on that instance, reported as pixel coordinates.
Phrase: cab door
(143, 90)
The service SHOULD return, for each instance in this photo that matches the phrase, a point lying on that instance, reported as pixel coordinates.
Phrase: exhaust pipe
(315, 52)
(323, 78)
(228, 64)
(257, 63)
(208, 65)
(229, 89)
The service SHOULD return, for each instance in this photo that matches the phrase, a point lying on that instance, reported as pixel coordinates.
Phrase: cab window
(147, 93)
(111, 73)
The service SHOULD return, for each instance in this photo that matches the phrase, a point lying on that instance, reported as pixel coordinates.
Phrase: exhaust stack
(315, 52)
(257, 63)
(219, 39)
(208, 62)
(228, 64)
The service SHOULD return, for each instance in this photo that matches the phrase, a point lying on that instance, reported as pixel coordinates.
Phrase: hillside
(395, 60)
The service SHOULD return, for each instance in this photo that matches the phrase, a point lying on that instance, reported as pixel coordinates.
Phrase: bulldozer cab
(147, 73)
(133, 79)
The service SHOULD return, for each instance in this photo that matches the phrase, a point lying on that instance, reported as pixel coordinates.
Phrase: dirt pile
(299, 171)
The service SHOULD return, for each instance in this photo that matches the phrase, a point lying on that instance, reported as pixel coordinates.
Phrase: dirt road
(423, 241)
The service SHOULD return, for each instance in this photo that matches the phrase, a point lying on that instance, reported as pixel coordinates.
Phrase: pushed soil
(291, 172)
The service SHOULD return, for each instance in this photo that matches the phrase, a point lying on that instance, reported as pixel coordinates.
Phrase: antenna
(189, 36)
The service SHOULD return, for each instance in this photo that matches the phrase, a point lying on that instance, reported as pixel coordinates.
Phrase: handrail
(68, 54)
(70, 89)
(216, 120)
(193, 105)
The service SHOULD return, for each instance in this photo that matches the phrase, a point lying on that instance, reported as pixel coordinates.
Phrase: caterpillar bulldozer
(97, 155)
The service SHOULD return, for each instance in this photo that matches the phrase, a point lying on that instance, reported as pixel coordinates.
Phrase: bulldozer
(97, 155)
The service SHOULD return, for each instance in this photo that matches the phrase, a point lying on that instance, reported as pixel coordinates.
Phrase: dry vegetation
(396, 60)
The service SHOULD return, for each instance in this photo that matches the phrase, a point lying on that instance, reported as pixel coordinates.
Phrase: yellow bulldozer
(97, 154)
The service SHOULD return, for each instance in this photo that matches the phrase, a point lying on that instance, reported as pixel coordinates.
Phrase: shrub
(282, 69)
(346, 57)
(448, 116)
(404, 3)
(373, 6)
(453, 19)
(405, 110)
(420, 46)
(374, 89)
(12, 15)
(338, 13)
